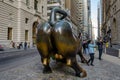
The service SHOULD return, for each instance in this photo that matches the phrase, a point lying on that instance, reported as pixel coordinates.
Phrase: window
(48, 14)
(9, 34)
(35, 4)
(26, 35)
(27, 2)
(11, 0)
(42, 9)
(26, 20)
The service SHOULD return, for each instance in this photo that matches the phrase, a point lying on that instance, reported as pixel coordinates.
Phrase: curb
(2, 52)
(16, 50)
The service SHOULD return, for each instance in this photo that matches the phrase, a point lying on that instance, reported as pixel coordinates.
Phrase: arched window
(34, 30)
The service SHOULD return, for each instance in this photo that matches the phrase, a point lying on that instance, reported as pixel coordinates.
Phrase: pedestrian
(25, 45)
(86, 46)
(83, 45)
(91, 47)
(21, 45)
(28, 44)
(18, 46)
(13, 44)
(100, 48)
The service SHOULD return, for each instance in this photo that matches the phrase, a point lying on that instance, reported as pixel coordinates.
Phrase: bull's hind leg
(45, 62)
(80, 72)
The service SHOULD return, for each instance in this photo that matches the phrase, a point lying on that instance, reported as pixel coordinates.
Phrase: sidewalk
(32, 70)
(109, 58)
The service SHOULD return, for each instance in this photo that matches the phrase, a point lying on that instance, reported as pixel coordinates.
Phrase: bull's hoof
(47, 70)
(82, 74)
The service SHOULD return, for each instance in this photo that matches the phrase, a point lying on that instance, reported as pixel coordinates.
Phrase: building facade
(18, 21)
(111, 18)
(99, 18)
(77, 14)
(81, 16)
(89, 20)
(54, 3)
(68, 4)
(85, 16)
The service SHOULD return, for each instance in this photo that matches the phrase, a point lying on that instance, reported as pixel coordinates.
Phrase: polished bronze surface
(45, 61)
(55, 39)
(69, 62)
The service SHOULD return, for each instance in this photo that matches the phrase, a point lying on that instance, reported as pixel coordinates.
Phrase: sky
(94, 5)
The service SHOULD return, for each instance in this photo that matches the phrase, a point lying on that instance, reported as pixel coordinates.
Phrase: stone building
(18, 21)
(81, 16)
(77, 14)
(99, 14)
(110, 19)
(68, 4)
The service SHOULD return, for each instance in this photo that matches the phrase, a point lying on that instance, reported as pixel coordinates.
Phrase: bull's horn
(45, 61)
(69, 62)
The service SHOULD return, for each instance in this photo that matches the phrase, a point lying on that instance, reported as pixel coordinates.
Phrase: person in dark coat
(86, 46)
(25, 45)
(100, 48)
(83, 45)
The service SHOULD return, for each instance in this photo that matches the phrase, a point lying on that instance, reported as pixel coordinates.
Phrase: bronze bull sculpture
(55, 39)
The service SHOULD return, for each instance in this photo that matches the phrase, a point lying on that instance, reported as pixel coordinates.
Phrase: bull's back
(65, 41)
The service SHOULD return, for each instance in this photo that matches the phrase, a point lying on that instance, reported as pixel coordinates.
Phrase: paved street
(29, 67)
(12, 61)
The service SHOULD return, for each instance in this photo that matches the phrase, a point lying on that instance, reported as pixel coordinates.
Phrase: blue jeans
(86, 51)
(91, 58)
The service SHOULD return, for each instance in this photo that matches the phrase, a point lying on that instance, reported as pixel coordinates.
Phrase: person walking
(13, 44)
(100, 48)
(83, 45)
(91, 47)
(86, 46)
(21, 45)
(25, 45)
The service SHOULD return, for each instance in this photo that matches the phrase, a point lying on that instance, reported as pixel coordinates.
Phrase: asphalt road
(18, 60)
(28, 66)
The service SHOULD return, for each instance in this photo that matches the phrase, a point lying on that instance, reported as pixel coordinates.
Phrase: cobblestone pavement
(103, 70)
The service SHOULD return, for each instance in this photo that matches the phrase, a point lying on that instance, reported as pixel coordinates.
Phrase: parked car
(1, 48)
